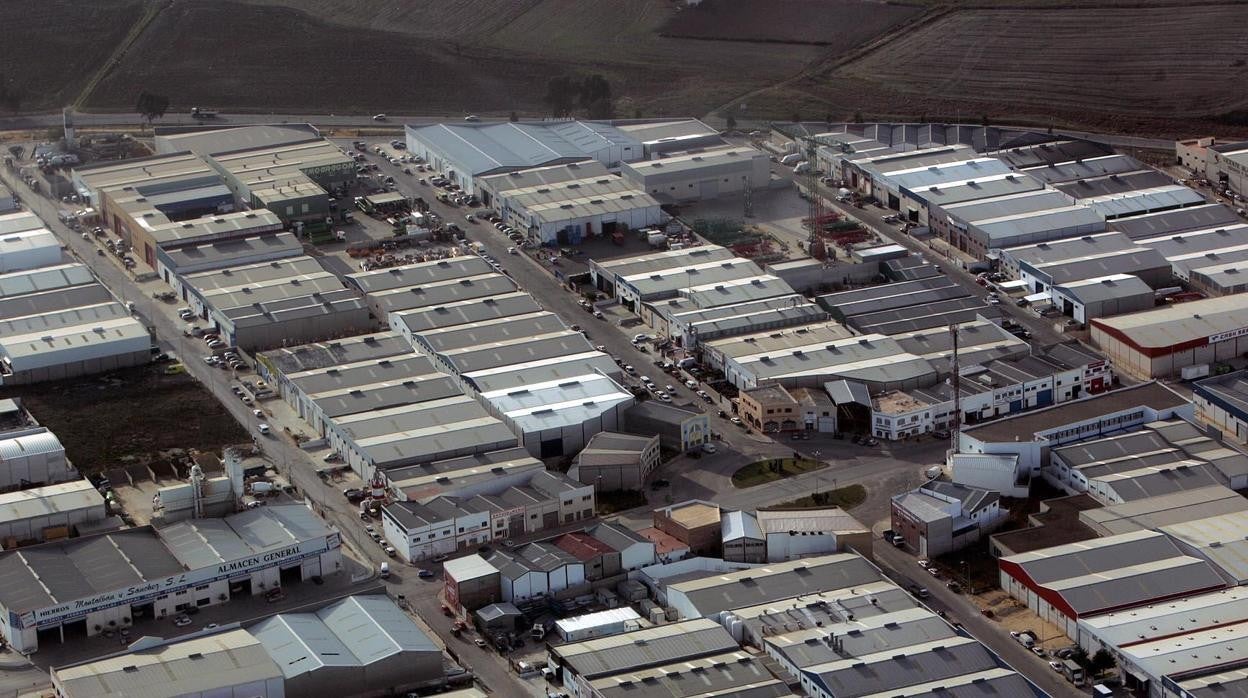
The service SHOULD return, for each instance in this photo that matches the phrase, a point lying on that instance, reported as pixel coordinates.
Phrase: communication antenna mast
(956, 426)
(816, 208)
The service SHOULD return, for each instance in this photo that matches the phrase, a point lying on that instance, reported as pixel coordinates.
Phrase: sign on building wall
(1223, 336)
(694, 432)
(147, 591)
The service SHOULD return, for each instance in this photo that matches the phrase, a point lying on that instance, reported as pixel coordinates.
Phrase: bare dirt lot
(841, 24)
(50, 48)
(1105, 67)
(336, 57)
(135, 412)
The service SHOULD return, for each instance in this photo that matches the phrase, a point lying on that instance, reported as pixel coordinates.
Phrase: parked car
(181, 621)
(262, 428)
(425, 574)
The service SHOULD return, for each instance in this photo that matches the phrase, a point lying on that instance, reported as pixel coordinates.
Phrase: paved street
(903, 569)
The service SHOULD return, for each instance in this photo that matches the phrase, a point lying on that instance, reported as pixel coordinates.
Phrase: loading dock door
(708, 188)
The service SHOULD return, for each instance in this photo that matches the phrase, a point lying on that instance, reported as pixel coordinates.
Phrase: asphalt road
(131, 119)
(106, 119)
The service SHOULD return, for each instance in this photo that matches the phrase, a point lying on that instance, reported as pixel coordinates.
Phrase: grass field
(134, 412)
(838, 23)
(844, 497)
(765, 471)
(1103, 68)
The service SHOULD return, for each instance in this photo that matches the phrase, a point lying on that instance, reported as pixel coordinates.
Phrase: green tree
(1101, 662)
(10, 94)
(595, 90)
(513, 117)
(730, 123)
(796, 117)
(561, 93)
(151, 106)
(601, 109)
(857, 117)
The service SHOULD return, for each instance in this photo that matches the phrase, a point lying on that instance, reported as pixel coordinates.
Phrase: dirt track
(840, 24)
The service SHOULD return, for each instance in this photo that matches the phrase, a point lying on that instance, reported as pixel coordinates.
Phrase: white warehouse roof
(488, 147)
(74, 343)
(52, 499)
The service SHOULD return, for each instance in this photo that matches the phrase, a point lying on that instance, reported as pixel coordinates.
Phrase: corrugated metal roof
(1219, 539)
(30, 445)
(1104, 288)
(737, 525)
(52, 499)
(589, 621)
(894, 669)
(465, 311)
(1175, 324)
(355, 632)
(409, 275)
(468, 567)
(646, 648)
(191, 667)
(482, 148)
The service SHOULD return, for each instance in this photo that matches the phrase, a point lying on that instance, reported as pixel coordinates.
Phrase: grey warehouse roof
(355, 632)
(465, 311)
(337, 352)
(422, 273)
(642, 649)
(714, 594)
(1176, 221)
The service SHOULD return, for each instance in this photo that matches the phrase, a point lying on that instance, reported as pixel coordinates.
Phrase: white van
(385, 570)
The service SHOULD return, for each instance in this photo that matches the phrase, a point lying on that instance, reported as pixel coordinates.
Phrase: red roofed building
(600, 559)
(667, 548)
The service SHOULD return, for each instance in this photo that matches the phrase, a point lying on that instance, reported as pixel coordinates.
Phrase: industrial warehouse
(553, 320)
(82, 586)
